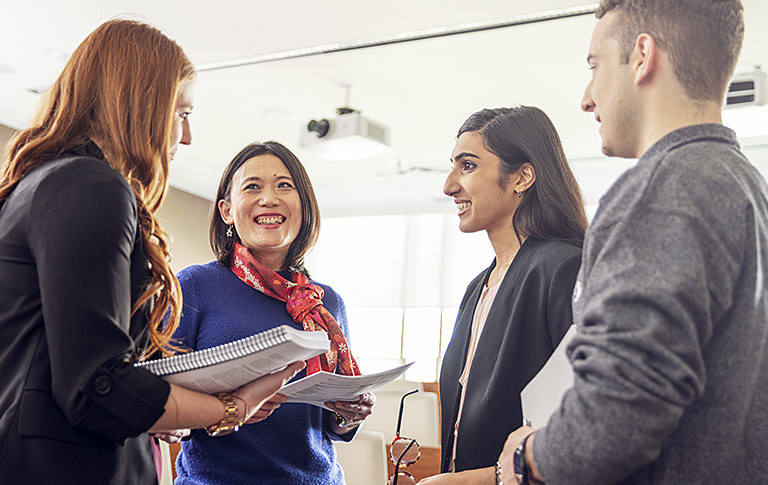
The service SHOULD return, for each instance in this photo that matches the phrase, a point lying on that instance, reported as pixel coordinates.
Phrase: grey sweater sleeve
(660, 271)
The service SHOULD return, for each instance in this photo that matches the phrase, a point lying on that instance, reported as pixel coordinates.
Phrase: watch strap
(521, 462)
(230, 422)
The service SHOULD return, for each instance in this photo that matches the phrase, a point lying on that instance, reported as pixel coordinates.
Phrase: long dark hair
(223, 246)
(552, 208)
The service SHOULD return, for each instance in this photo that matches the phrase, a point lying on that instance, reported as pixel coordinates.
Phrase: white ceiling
(422, 90)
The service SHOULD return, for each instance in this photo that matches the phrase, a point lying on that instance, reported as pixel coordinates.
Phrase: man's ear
(644, 58)
(225, 211)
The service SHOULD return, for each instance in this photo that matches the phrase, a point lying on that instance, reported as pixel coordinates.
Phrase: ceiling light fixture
(433, 33)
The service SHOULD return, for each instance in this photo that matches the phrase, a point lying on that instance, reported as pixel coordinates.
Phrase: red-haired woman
(85, 278)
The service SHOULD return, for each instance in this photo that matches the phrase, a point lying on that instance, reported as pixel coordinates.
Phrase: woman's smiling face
(265, 208)
(475, 183)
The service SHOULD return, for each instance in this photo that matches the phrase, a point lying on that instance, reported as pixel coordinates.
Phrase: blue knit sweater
(293, 445)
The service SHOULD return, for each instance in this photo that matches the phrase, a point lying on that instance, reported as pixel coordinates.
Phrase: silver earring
(229, 231)
(520, 195)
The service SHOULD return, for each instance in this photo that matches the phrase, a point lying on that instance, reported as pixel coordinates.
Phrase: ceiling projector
(349, 136)
(749, 88)
(746, 106)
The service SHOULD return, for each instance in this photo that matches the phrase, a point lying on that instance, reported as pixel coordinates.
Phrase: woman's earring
(229, 231)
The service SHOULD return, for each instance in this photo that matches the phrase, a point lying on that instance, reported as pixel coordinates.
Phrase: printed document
(542, 396)
(321, 387)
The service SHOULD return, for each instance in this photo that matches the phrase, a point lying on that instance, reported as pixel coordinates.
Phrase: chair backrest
(421, 416)
(400, 385)
(364, 459)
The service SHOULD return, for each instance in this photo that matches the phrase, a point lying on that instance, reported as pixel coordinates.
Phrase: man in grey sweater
(671, 304)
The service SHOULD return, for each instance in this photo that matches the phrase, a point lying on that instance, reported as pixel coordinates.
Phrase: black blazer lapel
(453, 364)
(490, 367)
(500, 323)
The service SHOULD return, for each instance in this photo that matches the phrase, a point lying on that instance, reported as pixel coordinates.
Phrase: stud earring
(229, 231)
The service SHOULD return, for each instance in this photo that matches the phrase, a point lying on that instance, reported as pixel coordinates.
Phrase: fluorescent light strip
(400, 38)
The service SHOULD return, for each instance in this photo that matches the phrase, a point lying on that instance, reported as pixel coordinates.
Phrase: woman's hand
(353, 412)
(260, 396)
(171, 437)
(191, 409)
(266, 409)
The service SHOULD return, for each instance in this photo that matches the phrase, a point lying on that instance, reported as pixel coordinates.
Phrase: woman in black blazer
(84, 275)
(510, 178)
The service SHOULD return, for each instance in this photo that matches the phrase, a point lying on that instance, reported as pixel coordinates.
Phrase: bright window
(362, 258)
(376, 336)
(402, 279)
(421, 326)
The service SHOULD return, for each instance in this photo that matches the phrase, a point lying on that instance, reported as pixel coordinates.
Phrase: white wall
(5, 136)
(185, 218)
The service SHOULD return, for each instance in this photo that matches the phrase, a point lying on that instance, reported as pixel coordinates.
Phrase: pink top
(478, 322)
(158, 457)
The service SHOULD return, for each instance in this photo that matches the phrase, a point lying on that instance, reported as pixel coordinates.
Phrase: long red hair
(118, 90)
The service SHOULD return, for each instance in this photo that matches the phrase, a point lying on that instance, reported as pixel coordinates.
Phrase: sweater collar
(688, 134)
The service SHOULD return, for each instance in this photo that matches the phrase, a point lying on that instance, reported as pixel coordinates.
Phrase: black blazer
(528, 318)
(72, 406)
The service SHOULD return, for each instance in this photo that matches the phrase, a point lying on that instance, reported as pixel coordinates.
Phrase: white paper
(542, 396)
(322, 386)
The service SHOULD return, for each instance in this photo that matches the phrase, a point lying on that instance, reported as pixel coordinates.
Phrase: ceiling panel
(421, 90)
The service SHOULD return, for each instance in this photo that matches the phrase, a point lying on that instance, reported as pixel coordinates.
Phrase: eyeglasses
(403, 451)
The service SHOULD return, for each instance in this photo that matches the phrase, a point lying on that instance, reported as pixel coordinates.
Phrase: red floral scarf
(304, 302)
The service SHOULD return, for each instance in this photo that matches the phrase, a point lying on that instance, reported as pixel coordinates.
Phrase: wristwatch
(521, 463)
(230, 422)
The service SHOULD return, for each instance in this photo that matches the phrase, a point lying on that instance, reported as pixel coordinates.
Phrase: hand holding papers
(229, 366)
(323, 386)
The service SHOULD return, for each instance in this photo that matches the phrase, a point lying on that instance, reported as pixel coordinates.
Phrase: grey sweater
(671, 355)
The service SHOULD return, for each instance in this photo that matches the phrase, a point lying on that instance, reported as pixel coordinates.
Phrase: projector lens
(319, 128)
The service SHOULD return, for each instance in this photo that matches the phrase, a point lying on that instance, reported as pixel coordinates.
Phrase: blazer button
(102, 385)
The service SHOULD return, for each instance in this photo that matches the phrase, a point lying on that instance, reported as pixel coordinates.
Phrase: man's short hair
(702, 37)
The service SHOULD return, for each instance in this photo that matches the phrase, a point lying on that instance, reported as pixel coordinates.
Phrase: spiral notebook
(229, 366)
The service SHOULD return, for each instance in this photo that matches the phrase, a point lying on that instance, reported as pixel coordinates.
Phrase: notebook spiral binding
(215, 355)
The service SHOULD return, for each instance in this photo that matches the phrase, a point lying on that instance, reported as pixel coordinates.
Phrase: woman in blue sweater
(267, 220)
